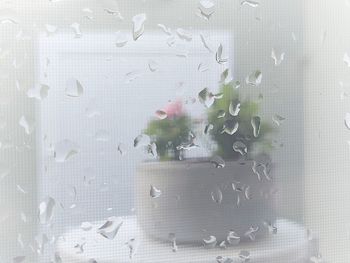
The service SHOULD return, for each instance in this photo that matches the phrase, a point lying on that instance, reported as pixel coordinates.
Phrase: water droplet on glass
(184, 34)
(165, 29)
(76, 29)
(102, 136)
(254, 79)
(250, 3)
(91, 109)
(221, 114)
(223, 245)
(232, 238)
(172, 239)
(138, 25)
(240, 147)
(152, 65)
(154, 192)
(208, 128)
(234, 108)
(111, 227)
(244, 255)
(207, 8)
(38, 92)
(278, 59)
(86, 226)
(64, 150)
(221, 259)
(251, 233)
(247, 193)
(51, 29)
(278, 120)
(255, 121)
(121, 39)
(346, 59)
(41, 240)
(132, 75)
(46, 209)
(236, 84)
(121, 149)
(230, 127)
(216, 195)
(152, 149)
(260, 169)
(57, 258)
(20, 189)
(115, 13)
(272, 228)
(142, 140)
(160, 114)
(209, 242)
(317, 259)
(218, 162)
(132, 244)
(207, 98)
(206, 43)
(28, 124)
(218, 56)
(347, 120)
(74, 88)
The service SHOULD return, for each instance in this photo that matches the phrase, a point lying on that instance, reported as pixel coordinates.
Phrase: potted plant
(190, 199)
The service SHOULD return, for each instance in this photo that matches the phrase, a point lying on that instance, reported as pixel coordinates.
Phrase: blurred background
(45, 44)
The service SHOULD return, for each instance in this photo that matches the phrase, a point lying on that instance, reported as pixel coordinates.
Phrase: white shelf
(290, 245)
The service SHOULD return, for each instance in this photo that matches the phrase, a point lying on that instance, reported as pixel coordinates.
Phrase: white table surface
(290, 245)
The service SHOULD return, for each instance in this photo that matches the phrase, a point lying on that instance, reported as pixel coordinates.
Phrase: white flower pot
(190, 206)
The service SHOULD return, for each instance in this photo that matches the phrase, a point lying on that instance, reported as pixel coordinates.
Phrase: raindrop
(138, 25)
(86, 226)
(260, 169)
(224, 76)
(165, 29)
(278, 120)
(221, 259)
(20, 189)
(221, 114)
(110, 228)
(132, 244)
(152, 149)
(234, 108)
(230, 127)
(237, 84)
(114, 13)
(102, 136)
(218, 56)
(218, 162)
(64, 150)
(28, 124)
(247, 193)
(207, 8)
(210, 242)
(254, 79)
(74, 88)
(272, 228)
(142, 140)
(208, 128)
(41, 240)
(132, 75)
(277, 59)
(46, 209)
(76, 29)
(51, 29)
(152, 65)
(317, 259)
(244, 255)
(255, 121)
(202, 67)
(160, 114)
(121, 149)
(172, 239)
(240, 147)
(250, 3)
(154, 192)
(347, 120)
(222, 245)
(207, 98)
(57, 258)
(251, 233)
(184, 34)
(121, 39)
(346, 59)
(91, 110)
(232, 238)
(216, 195)
(205, 42)
(38, 92)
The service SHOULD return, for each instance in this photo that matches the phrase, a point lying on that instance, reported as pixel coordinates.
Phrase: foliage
(248, 109)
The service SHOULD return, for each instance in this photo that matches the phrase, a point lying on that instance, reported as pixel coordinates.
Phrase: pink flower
(174, 109)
